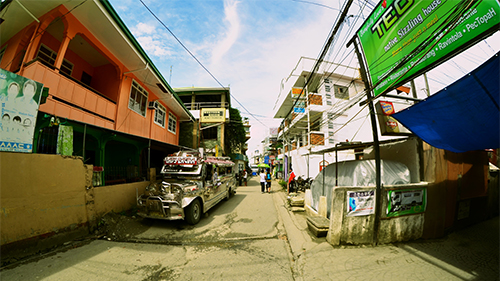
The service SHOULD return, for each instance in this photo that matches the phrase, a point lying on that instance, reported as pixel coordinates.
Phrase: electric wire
(337, 24)
(347, 105)
(198, 61)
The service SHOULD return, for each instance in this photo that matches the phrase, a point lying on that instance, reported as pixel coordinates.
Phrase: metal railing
(200, 105)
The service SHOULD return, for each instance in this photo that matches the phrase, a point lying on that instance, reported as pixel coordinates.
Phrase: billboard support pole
(376, 144)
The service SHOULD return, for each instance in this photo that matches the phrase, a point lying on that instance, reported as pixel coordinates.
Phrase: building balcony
(317, 138)
(69, 98)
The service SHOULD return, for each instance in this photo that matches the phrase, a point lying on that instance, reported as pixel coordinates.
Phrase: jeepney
(191, 185)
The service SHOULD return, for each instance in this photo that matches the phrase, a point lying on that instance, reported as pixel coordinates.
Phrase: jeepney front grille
(154, 205)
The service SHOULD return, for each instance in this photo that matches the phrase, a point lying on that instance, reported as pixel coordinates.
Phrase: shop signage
(298, 93)
(212, 115)
(403, 38)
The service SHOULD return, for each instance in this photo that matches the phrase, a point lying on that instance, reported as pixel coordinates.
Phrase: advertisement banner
(387, 124)
(19, 100)
(360, 203)
(406, 202)
(403, 38)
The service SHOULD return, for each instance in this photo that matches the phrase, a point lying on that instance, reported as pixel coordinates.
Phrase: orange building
(123, 114)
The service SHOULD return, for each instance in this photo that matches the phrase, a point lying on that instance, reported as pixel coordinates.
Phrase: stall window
(341, 92)
(172, 123)
(138, 99)
(160, 114)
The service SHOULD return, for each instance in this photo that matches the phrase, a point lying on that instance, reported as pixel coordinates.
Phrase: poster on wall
(360, 203)
(401, 39)
(19, 101)
(406, 202)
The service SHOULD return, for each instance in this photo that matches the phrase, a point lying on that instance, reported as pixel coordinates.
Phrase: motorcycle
(303, 184)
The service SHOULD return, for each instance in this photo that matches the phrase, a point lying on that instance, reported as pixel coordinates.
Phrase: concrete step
(318, 225)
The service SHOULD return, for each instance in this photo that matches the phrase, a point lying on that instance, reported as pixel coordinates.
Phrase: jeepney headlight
(165, 187)
(151, 188)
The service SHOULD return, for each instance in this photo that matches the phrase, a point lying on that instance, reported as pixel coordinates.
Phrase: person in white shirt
(262, 180)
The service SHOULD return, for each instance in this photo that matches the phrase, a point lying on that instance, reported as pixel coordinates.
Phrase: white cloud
(143, 28)
(232, 33)
(150, 39)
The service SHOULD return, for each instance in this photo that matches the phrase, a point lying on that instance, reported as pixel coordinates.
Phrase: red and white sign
(181, 161)
(322, 165)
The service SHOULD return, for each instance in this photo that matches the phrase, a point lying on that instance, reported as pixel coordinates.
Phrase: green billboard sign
(403, 38)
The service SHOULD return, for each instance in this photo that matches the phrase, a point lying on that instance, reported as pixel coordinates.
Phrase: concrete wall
(360, 229)
(40, 194)
(43, 195)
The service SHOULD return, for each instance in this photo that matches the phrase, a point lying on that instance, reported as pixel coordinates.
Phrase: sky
(251, 45)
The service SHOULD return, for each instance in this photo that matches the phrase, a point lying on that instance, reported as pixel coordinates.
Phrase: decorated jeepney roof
(219, 161)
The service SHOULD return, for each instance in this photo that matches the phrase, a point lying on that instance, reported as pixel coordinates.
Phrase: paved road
(239, 240)
(254, 236)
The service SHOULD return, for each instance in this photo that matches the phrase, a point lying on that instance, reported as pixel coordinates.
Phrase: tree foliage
(235, 136)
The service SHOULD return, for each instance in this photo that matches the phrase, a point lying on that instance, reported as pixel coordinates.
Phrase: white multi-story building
(320, 114)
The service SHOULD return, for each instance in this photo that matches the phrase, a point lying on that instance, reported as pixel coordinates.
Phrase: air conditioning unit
(152, 105)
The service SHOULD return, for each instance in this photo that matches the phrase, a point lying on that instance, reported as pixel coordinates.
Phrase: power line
(317, 4)
(194, 57)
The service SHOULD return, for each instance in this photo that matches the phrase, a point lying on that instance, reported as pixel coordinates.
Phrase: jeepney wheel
(193, 212)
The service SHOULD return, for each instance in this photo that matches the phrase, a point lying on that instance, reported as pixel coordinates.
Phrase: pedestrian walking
(262, 181)
(268, 181)
(245, 175)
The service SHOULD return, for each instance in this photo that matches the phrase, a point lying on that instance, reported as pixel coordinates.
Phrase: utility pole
(376, 145)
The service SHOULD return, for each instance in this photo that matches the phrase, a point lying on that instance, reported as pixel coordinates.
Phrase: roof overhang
(204, 91)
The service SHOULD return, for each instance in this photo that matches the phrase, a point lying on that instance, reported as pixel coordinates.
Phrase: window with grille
(327, 88)
(46, 55)
(2, 52)
(330, 120)
(66, 67)
(210, 133)
(160, 114)
(328, 99)
(327, 81)
(330, 137)
(172, 123)
(341, 92)
(138, 99)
